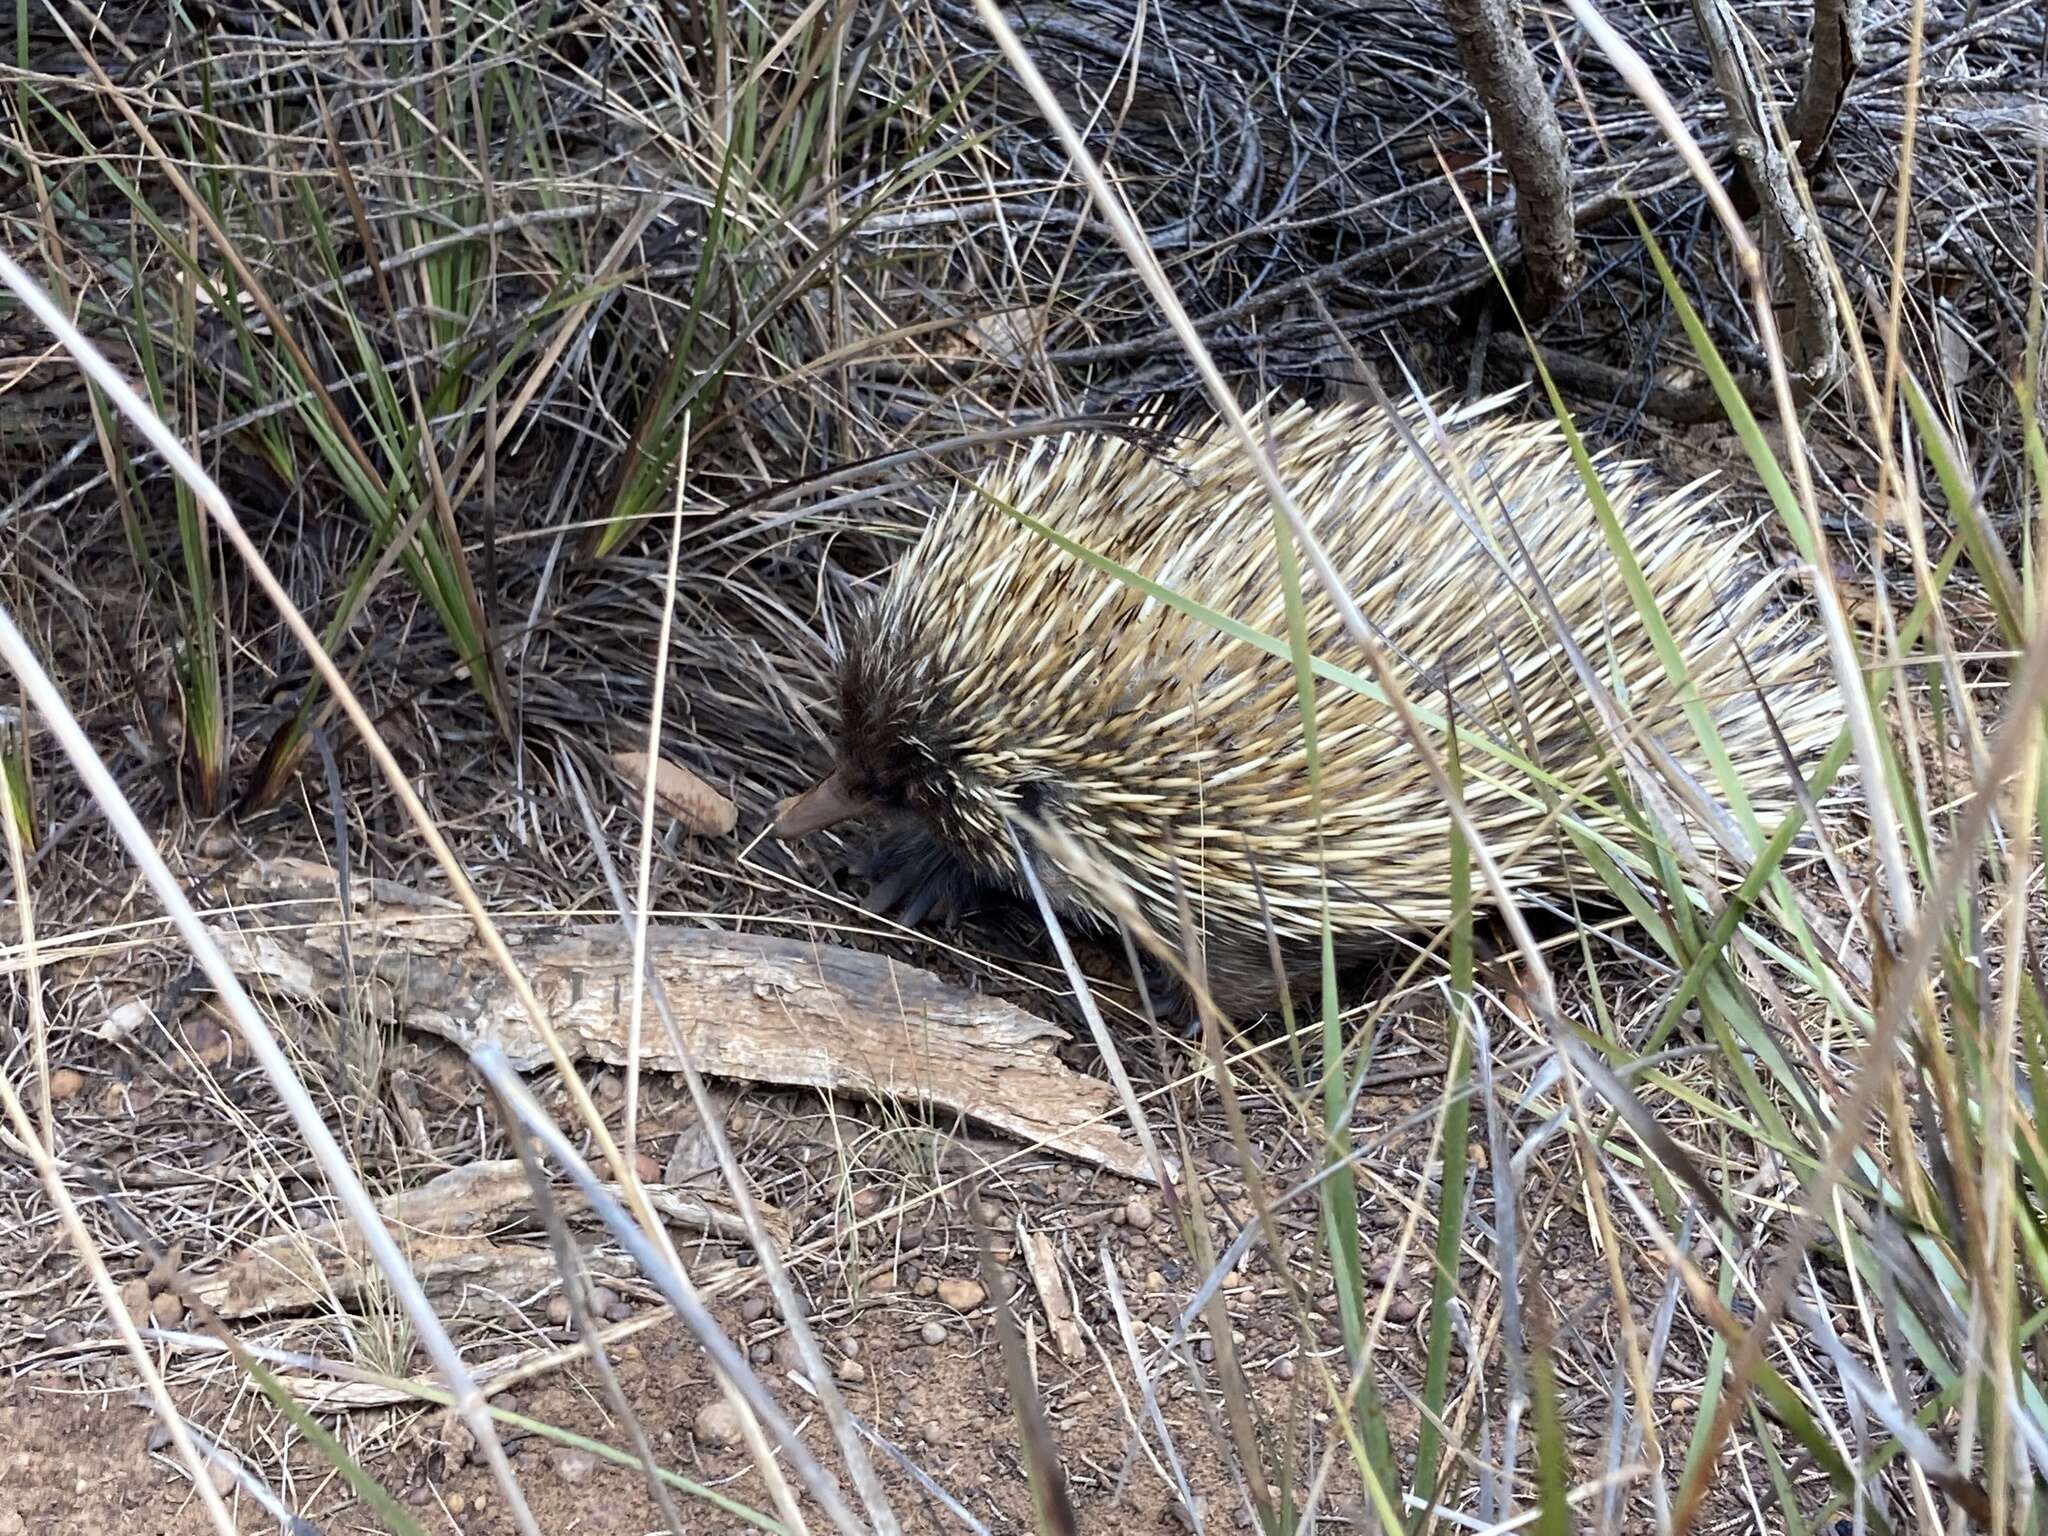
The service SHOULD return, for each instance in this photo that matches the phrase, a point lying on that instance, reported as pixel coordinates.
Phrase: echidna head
(905, 748)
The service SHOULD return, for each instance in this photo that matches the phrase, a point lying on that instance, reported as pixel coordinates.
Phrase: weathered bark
(1837, 44)
(1790, 234)
(1503, 72)
(750, 1006)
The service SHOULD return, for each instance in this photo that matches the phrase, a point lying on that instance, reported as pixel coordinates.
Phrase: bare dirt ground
(881, 1212)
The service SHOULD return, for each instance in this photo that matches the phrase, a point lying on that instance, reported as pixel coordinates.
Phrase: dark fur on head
(943, 852)
(906, 748)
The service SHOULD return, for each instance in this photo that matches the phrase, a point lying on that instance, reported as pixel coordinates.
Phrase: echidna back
(1172, 751)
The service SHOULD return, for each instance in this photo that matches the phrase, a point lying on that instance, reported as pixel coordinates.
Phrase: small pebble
(463, 1445)
(573, 1467)
(456, 1503)
(932, 1333)
(753, 1309)
(867, 1201)
(926, 1286)
(558, 1310)
(913, 1237)
(167, 1311)
(716, 1425)
(931, 1433)
(208, 1039)
(761, 1353)
(1284, 1369)
(962, 1295)
(850, 1371)
(135, 1299)
(1154, 1281)
(1138, 1212)
(65, 1084)
(1402, 1309)
(603, 1300)
(849, 1346)
(221, 1475)
(645, 1168)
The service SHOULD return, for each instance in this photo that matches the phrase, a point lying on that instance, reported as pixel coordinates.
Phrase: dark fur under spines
(999, 678)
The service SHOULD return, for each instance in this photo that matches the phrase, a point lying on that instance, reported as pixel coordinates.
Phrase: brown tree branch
(1503, 71)
(1791, 236)
(1838, 32)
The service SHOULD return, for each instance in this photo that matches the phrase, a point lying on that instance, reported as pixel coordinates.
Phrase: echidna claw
(1173, 1005)
(915, 877)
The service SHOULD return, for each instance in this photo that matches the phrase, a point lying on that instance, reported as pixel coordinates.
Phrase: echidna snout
(830, 802)
(935, 854)
(900, 756)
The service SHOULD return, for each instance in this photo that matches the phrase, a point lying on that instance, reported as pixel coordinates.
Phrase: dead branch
(1838, 31)
(1682, 406)
(1791, 235)
(1503, 71)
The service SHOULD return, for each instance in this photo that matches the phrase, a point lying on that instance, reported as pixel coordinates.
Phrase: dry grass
(442, 300)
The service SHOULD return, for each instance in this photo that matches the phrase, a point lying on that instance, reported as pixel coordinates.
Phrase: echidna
(999, 676)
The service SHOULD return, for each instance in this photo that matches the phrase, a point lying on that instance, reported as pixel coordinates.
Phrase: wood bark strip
(698, 806)
(1043, 1263)
(1838, 31)
(455, 1233)
(755, 1007)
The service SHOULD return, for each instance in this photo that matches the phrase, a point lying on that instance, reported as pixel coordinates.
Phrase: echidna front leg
(914, 876)
(1173, 1005)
